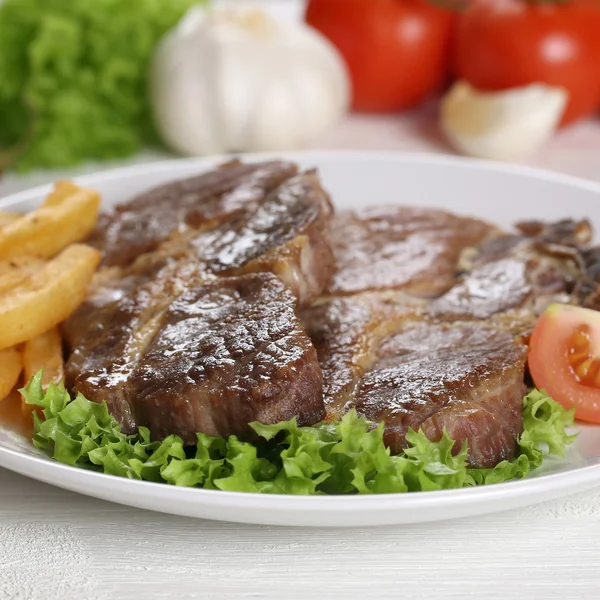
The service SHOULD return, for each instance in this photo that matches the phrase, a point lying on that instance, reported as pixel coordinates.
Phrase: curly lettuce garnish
(346, 457)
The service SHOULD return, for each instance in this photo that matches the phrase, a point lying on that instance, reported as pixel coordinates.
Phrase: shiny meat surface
(393, 361)
(490, 289)
(467, 378)
(259, 219)
(346, 331)
(181, 354)
(456, 361)
(526, 271)
(143, 223)
(410, 249)
(287, 234)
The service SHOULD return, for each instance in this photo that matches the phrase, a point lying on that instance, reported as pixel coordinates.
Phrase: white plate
(499, 193)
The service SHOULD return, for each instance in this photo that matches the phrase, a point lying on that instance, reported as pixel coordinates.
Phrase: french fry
(6, 218)
(49, 229)
(11, 365)
(16, 271)
(49, 298)
(62, 190)
(42, 352)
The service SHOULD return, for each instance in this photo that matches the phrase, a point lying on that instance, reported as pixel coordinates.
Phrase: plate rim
(367, 156)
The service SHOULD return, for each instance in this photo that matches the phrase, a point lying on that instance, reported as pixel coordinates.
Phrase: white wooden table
(59, 545)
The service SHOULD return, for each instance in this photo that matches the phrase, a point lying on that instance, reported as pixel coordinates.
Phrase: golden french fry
(6, 218)
(49, 298)
(46, 231)
(62, 190)
(42, 352)
(11, 365)
(16, 271)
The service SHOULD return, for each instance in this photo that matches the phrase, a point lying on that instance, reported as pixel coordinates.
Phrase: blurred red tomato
(397, 51)
(501, 44)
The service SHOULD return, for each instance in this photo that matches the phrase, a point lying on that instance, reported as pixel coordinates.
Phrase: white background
(58, 545)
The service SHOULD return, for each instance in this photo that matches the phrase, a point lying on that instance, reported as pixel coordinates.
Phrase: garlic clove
(508, 125)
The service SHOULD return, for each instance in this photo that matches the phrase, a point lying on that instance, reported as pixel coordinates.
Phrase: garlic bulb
(506, 125)
(237, 80)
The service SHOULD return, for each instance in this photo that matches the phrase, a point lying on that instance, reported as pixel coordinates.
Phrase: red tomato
(397, 51)
(502, 44)
(564, 358)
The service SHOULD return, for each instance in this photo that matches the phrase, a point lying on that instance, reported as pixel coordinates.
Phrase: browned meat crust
(237, 219)
(181, 354)
(467, 378)
(143, 223)
(194, 328)
(456, 361)
(415, 250)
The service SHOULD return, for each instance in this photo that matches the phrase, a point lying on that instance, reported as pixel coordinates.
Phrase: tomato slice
(564, 358)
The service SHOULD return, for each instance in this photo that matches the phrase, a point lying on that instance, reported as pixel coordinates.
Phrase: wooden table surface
(59, 545)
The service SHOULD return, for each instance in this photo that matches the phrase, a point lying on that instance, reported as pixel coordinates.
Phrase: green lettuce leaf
(344, 457)
(74, 77)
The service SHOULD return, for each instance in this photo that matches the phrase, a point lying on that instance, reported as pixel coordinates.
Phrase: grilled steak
(181, 354)
(456, 361)
(410, 249)
(191, 327)
(237, 219)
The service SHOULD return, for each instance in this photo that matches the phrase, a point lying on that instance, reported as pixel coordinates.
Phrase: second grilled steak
(391, 361)
(467, 378)
(457, 361)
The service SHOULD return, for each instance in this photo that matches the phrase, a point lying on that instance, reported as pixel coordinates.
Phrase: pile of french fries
(44, 277)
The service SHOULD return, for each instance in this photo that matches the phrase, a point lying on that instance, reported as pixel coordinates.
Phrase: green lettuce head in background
(73, 78)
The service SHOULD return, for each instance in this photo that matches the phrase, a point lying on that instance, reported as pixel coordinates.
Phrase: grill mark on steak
(410, 249)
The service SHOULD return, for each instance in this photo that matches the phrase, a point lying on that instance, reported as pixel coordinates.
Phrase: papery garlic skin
(237, 80)
(508, 125)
